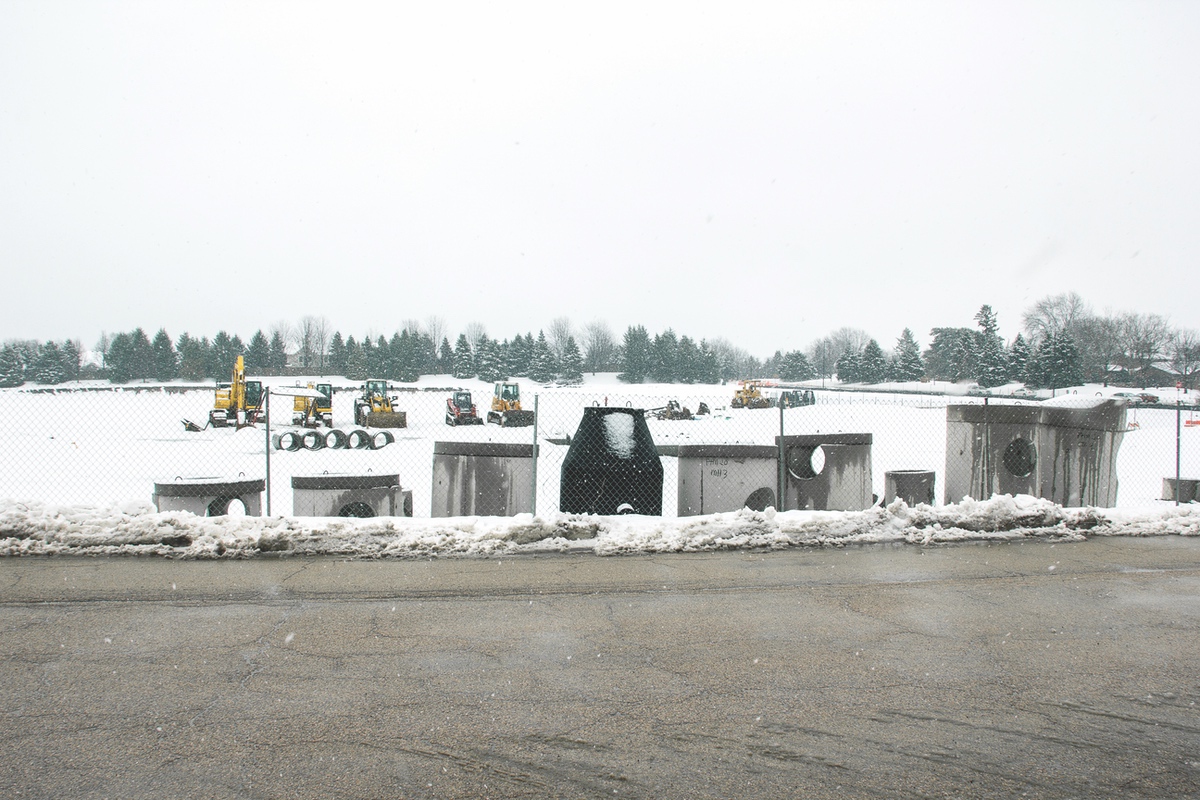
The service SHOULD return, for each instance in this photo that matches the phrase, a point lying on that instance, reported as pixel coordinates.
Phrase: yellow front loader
(374, 409)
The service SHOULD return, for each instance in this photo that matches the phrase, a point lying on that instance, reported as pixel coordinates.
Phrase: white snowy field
(79, 469)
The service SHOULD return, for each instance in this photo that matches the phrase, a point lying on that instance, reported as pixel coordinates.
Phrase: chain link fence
(660, 451)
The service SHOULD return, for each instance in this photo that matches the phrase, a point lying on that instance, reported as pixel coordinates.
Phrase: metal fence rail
(609, 450)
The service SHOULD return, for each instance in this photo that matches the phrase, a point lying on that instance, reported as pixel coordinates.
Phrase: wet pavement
(977, 670)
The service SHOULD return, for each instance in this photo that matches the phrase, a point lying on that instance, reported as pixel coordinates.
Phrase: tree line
(1063, 344)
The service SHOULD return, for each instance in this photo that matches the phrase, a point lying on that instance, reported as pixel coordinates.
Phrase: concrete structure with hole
(344, 494)
(209, 497)
(827, 471)
(726, 477)
(1066, 454)
(913, 486)
(482, 479)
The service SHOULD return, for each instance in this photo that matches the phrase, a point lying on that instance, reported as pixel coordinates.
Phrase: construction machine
(506, 407)
(374, 409)
(312, 412)
(750, 396)
(671, 411)
(238, 402)
(794, 398)
(461, 411)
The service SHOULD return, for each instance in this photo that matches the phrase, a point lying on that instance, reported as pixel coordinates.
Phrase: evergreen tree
(1059, 361)
(142, 355)
(47, 367)
(542, 369)
(950, 349)
(356, 361)
(258, 354)
(279, 354)
(398, 354)
(635, 355)
(991, 362)
(337, 354)
(847, 366)
(445, 358)
(12, 368)
(872, 364)
(224, 353)
(72, 360)
(489, 363)
(909, 366)
(1019, 361)
(464, 359)
(193, 358)
(710, 366)
(519, 355)
(120, 358)
(571, 368)
(664, 364)
(795, 366)
(166, 360)
(688, 365)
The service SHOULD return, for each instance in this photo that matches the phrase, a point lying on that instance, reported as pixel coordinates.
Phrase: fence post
(267, 408)
(779, 480)
(1178, 427)
(533, 500)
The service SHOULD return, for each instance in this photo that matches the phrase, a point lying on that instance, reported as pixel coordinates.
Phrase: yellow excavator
(506, 407)
(374, 409)
(238, 402)
(312, 412)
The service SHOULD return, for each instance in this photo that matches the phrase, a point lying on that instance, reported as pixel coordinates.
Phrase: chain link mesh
(846, 450)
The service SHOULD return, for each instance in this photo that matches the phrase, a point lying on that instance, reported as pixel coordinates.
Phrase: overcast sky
(759, 172)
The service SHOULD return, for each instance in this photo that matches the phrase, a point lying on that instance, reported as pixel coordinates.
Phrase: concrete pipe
(381, 439)
(337, 439)
(358, 439)
(313, 440)
(288, 441)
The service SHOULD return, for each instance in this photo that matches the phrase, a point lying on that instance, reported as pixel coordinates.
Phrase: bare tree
(303, 337)
(102, 346)
(1143, 339)
(1183, 351)
(475, 333)
(1099, 341)
(320, 336)
(435, 329)
(1051, 316)
(412, 327)
(599, 346)
(557, 335)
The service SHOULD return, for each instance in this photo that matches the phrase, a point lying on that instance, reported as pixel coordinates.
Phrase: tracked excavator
(312, 412)
(238, 402)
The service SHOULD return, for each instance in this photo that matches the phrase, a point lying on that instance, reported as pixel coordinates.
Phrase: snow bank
(137, 529)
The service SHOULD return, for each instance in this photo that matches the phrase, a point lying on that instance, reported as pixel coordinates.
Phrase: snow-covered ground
(79, 467)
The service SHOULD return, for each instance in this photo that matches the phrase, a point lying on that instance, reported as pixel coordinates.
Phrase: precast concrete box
(209, 497)
(343, 494)
(827, 471)
(726, 477)
(493, 479)
(1065, 453)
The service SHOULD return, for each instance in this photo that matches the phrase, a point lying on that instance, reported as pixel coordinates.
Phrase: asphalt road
(1029, 669)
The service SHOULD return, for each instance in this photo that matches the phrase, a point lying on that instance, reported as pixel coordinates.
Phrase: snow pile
(137, 529)
(618, 435)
